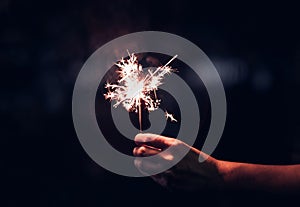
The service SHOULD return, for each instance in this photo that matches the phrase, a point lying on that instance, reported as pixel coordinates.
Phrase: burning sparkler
(136, 86)
(170, 116)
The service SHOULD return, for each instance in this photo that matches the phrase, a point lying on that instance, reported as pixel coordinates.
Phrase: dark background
(43, 45)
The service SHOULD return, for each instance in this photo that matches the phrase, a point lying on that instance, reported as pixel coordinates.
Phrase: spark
(136, 86)
(170, 116)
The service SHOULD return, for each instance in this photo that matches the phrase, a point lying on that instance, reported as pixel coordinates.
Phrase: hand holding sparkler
(188, 174)
(191, 175)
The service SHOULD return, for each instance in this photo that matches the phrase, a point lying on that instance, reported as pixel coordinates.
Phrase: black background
(43, 45)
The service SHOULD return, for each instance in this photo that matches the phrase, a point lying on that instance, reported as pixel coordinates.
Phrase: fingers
(145, 150)
(148, 145)
(152, 149)
(146, 167)
(153, 166)
(153, 140)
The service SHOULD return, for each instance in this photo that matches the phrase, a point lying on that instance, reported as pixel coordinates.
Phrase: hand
(188, 174)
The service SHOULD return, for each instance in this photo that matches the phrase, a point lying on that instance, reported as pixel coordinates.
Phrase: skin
(191, 175)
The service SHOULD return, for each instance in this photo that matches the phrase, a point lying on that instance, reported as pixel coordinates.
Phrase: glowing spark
(170, 116)
(137, 86)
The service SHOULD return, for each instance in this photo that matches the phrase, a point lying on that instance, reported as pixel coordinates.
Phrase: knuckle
(139, 151)
(175, 142)
(135, 151)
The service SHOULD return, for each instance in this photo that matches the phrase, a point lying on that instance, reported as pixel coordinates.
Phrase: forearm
(270, 178)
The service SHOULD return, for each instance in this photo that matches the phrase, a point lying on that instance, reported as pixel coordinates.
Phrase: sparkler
(136, 86)
(170, 116)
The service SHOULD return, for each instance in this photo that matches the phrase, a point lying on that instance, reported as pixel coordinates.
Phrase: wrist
(225, 170)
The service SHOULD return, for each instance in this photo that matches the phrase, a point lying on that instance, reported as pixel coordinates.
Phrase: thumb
(153, 140)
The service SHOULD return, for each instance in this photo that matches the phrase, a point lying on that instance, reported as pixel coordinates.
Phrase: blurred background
(43, 45)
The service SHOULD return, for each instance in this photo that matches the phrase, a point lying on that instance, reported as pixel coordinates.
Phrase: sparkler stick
(140, 116)
(136, 86)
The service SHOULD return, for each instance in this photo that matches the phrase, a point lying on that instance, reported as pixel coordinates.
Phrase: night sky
(43, 45)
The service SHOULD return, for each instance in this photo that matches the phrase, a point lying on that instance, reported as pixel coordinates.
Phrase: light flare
(136, 85)
(170, 116)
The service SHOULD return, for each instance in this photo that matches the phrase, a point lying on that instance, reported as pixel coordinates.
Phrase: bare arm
(271, 178)
(190, 174)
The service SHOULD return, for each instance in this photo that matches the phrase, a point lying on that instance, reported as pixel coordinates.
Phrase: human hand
(188, 174)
